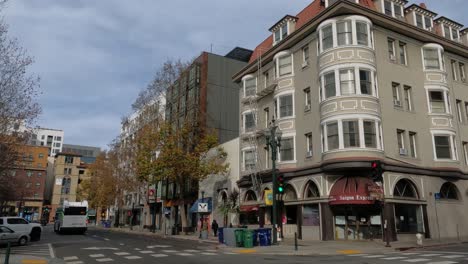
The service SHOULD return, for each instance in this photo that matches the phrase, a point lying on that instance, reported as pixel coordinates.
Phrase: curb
(431, 246)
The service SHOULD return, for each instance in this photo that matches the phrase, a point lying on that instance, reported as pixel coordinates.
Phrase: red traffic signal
(376, 171)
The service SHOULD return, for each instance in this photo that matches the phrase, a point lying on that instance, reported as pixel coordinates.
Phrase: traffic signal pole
(274, 217)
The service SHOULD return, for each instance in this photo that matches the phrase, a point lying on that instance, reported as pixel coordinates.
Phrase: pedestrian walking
(214, 227)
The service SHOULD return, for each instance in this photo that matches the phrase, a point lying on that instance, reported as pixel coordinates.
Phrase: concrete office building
(88, 154)
(350, 82)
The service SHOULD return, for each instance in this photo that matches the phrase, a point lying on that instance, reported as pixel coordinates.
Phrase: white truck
(21, 225)
(72, 216)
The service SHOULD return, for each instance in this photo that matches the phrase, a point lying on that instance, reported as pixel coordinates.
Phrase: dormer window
(421, 16)
(281, 33)
(283, 28)
(449, 28)
(393, 8)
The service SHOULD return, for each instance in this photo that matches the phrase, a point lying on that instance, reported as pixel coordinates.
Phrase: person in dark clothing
(214, 227)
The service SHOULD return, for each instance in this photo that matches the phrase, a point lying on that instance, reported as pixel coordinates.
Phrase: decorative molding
(348, 105)
(285, 83)
(345, 54)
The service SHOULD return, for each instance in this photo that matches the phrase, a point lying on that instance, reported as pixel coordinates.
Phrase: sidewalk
(26, 259)
(286, 247)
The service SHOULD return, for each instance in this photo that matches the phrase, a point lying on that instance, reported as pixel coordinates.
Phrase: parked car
(21, 225)
(8, 235)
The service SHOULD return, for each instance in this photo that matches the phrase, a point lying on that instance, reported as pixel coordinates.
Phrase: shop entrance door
(362, 223)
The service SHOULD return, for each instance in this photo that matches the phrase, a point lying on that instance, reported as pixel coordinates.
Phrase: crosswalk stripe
(430, 255)
(416, 260)
(208, 253)
(230, 253)
(184, 254)
(170, 251)
(453, 256)
(122, 253)
(395, 258)
(159, 255)
(191, 250)
(374, 256)
(358, 255)
(75, 262)
(443, 262)
(146, 251)
(132, 257)
(104, 260)
(409, 254)
(96, 255)
(70, 258)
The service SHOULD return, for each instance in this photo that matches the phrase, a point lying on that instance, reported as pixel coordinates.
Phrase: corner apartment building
(204, 92)
(350, 82)
(30, 171)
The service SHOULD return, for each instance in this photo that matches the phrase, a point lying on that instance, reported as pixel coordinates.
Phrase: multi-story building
(52, 138)
(68, 170)
(30, 174)
(348, 83)
(88, 154)
(206, 93)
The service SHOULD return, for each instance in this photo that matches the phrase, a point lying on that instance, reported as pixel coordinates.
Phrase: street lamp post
(273, 141)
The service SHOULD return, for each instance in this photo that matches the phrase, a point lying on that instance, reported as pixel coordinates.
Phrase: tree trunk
(183, 217)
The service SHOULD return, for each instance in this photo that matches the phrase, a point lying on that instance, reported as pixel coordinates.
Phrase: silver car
(8, 235)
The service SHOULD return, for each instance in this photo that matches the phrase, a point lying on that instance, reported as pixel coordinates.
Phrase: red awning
(354, 190)
(249, 208)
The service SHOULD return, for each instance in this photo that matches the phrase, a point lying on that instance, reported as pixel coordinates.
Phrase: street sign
(437, 196)
(203, 207)
(58, 181)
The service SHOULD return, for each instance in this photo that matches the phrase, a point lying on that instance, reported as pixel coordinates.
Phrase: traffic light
(376, 171)
(280, 184)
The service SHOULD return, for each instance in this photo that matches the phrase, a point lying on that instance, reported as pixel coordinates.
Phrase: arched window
(312, 190)
(250, 196)
(289, 193)
(405, 189)
(449, 191)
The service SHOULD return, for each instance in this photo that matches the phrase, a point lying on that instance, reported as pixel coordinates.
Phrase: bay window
(437, 102)
(348, 81)
(433, 57)
(250, 86)
(347, 30)
(284, 106)
(287, 149)
(443, 146)
(285, 65)
(363, 132)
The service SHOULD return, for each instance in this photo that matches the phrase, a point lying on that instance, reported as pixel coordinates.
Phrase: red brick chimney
(423, 5)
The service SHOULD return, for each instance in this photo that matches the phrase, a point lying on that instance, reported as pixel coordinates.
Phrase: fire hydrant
(419, 239)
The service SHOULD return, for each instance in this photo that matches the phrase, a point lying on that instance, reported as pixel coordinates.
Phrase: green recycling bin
(249, 238)
(239, 233)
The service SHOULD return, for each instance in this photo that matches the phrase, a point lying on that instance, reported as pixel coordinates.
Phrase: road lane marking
(211, 250)
(443, 262)
(75, 262)
(416, 260)
(230, 253)
(184, 254)
(359, 255)
(96, 255)
(70, 258)
(208, 253)
(158, 246)
(137, 248)
(453, 256)
(51, 250)
(443, 252)
(409, 254)
(133, 257)
(159, 255)
(395, 258)
(146, 251)
(191, 250)
(430, 255)
(170, 251)
(106, 239)
(349, 251)
(104, 260)
(122, 253)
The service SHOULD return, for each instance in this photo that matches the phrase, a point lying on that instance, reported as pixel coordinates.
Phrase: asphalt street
(104, 246)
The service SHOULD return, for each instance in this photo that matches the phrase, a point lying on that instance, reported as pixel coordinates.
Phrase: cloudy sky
(94, 56)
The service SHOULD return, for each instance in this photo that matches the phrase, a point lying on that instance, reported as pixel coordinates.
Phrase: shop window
(311, 215)
(405, 189)
(449, 191)
(408, 218)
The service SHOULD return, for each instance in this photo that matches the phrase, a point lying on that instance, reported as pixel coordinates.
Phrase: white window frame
(248, 149)
(459, 111)
(413, 144)
(452, 140)
(401, 136)
(440, 51)
(396, 88)
(244, 81)
(393, 41)
(405, 54)
(352, 117)
(393, 5)
(462, 69)
(244, 119)
(465, 151)
(278, 106)
(353, 41)
(280, 55)
(287, 136)
(309, 144)
(307, 97)
(305, 55)
(445, 96)
(280, 31)
(454, 66)
(408, 97)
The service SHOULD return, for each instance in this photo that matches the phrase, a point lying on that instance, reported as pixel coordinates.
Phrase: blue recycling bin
(264, 237)
(255, 238)
(221, 235)
(268, 232)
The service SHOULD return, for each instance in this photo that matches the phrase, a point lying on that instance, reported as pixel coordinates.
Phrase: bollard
(419, 239)
(7, 253)
(295, 241)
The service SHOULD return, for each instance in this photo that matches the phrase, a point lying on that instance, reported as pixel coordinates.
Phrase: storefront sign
(351, 198)
(268, 197)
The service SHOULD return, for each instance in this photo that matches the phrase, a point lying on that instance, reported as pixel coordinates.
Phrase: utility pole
(273, 141)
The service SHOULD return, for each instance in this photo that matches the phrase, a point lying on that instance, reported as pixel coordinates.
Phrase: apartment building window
(29, 174)
(388, 8)
(344, 32)
(308, 137)
(391, 49)
(431, 58)
(370, 134)
(437, 102)
(447, 32)
(277, 36)
(332, 136)
(39, 174)
(465, 151)
(266, 112)
(287, 149)
(396, 94)
(461, 65)
(453, 64)
(398, 10)
(427, 22)
(38, 185)
(285, 65)
(266, 79)
(249, 160)
(284, 31)
(412, 144)
(454, 34)
(250, 86)
(365, 81)
(401, 141)
(308, 99)
(443, 145)
(41, 155)
(330, 85)
(305, 56)
(285, 105)
(347, 82)
(351, 134)
(249, 122)
(402, 47)
(408, 98)
(281, 33)
(362, 33)
(68, 159)
(327, 37)
(419, 21)
(459, 111)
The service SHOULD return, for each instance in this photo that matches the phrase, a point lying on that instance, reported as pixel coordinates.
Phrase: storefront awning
(202, 206)
(354, 190)
(249, 208)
